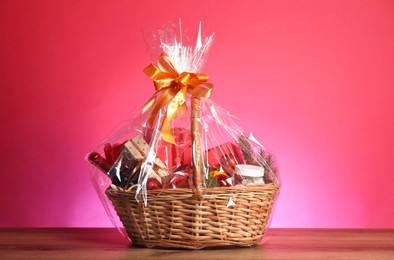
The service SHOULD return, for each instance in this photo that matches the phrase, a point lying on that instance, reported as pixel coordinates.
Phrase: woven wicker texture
(225, 216)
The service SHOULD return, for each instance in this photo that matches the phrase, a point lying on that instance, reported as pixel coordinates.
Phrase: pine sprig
(246, 149)
(268, 162)
(211, 181)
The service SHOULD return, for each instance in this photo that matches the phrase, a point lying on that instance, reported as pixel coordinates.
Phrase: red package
(112, 152)
(177, 180)
(227, 153)
(179, 154)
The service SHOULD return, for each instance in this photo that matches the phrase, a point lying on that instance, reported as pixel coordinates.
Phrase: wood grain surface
(107, 243)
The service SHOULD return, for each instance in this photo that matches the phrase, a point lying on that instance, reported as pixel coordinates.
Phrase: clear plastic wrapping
(180, 139)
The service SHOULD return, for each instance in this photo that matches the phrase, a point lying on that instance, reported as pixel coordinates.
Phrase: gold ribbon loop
(171, 87)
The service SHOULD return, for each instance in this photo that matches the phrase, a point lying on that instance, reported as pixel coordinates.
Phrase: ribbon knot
(171, 88)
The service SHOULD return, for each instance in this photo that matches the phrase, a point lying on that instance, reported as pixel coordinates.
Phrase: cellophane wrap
(136, 155)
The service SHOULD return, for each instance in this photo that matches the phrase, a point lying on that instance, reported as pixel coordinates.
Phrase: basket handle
(196, 147)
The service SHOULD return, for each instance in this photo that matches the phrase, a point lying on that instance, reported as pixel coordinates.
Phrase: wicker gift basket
(174, 218)
(197, 215)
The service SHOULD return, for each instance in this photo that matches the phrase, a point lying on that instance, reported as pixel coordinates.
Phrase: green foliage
(211, 181)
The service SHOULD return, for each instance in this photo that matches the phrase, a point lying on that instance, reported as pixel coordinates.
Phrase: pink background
(314, 79)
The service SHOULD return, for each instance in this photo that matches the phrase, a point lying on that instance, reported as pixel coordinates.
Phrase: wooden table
(106, 243)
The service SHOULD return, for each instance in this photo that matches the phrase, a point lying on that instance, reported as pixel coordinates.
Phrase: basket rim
(185, 193)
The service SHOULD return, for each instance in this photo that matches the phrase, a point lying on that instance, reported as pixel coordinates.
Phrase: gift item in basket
(177, 182)
(226, 155)
(122, 162)
(250, 174)
(100, 162)
(218, 179)
(139, 149)
(117, 174)
(178, 154)
(153, 184)
(112, 152)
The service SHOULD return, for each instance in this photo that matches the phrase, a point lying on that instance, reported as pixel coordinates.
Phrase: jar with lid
(250, 174)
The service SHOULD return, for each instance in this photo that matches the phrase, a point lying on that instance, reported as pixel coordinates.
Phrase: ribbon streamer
(171, 88)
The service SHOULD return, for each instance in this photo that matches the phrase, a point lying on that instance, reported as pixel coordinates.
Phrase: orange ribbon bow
(172, 87)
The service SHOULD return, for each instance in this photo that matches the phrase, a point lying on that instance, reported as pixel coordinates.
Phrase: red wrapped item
(153, 184)
(226, 155)
(175, 155)
(177, 180)
(112, 152)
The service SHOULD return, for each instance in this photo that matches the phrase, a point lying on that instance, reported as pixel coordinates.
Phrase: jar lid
(249, 170)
